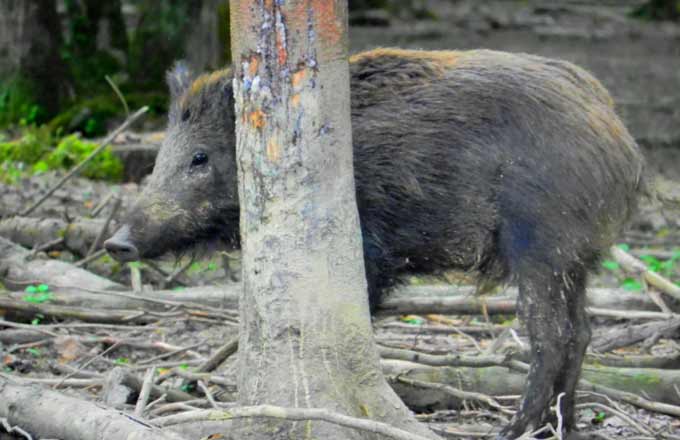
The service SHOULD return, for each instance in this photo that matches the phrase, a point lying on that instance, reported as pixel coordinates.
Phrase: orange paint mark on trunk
(298, 77)
(257, 118)
(326, 20)
(295, 100)
(253, 64)
(273, 150)
(281, 48)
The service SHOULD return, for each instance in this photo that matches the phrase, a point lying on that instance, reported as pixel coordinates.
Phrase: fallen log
(404, 300)
(610, 339)
(48, 414)
(77, 236)
(18, 270)
(657, 385)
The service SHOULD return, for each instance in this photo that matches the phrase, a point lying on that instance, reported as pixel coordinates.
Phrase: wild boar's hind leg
(545, 305)
(576, 349)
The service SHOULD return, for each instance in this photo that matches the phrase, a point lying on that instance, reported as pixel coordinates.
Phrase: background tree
(31, 70)
(659, 10)
(305, 339)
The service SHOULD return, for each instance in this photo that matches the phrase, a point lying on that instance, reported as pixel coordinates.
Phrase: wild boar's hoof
(120, 247)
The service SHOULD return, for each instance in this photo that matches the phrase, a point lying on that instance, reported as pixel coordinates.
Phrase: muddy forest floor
(58, 329)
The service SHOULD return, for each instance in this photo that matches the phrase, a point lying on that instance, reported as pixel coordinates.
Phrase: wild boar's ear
(178, 78)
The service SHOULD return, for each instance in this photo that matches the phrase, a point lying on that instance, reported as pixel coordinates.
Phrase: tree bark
(305, 339)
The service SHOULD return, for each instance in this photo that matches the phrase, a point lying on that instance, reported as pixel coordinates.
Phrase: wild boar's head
(192, 195)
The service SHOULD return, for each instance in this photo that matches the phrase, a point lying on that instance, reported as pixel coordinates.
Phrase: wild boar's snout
(120, 247)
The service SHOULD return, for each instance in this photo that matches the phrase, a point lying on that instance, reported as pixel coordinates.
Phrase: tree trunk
(305, 338)
(30, 38)
(207, 46)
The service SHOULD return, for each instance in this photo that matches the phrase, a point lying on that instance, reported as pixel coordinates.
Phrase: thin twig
(100, 236)
(117, 91)
(90, 258)
(145, 392)
(558, 414)
(460, 394)
(620, 414)
(77, 168)
(95, 212)
(217, 358)
(45, 246)
(208, 394)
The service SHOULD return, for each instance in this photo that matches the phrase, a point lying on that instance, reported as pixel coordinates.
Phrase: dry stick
(172, 353)
(45, 246)
(90, 258)
(145, 392)
(97, 241)
(98, 209)
(77, 168)
(37, 329)
(633, 399)
(277, 412)
(632, 264)
(629, 314)
(219, 356)
(170, 277)
(460, 394)
(14, 429)
(83, 314)
(620, 414)
(208, 394)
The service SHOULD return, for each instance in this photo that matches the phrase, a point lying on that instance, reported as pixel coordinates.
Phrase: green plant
(18, 103)
(72, 150)
(33, 154)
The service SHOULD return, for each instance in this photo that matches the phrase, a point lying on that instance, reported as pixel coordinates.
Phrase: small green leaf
(178, 288)
(186, 388)
(623, 246)
(652, 263)
(184, 367)
(599, 417)
(631, 284)
(610, 265)
(122, 361)
(31, 289)
(135, 264)
(212, 266)
(43, 288)
(34, 351)
(195, 267)
(40, 167)
(412, 319)
(39, 298)
(35, 321)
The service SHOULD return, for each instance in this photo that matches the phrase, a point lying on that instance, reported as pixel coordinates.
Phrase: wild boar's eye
(199, 159)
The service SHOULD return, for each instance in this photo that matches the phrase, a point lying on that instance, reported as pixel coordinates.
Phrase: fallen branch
(496, 380)
(76, 236)
(49, 414)
(610, 339)
(277, 412)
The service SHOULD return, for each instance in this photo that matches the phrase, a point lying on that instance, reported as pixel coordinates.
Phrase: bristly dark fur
(512, 166)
